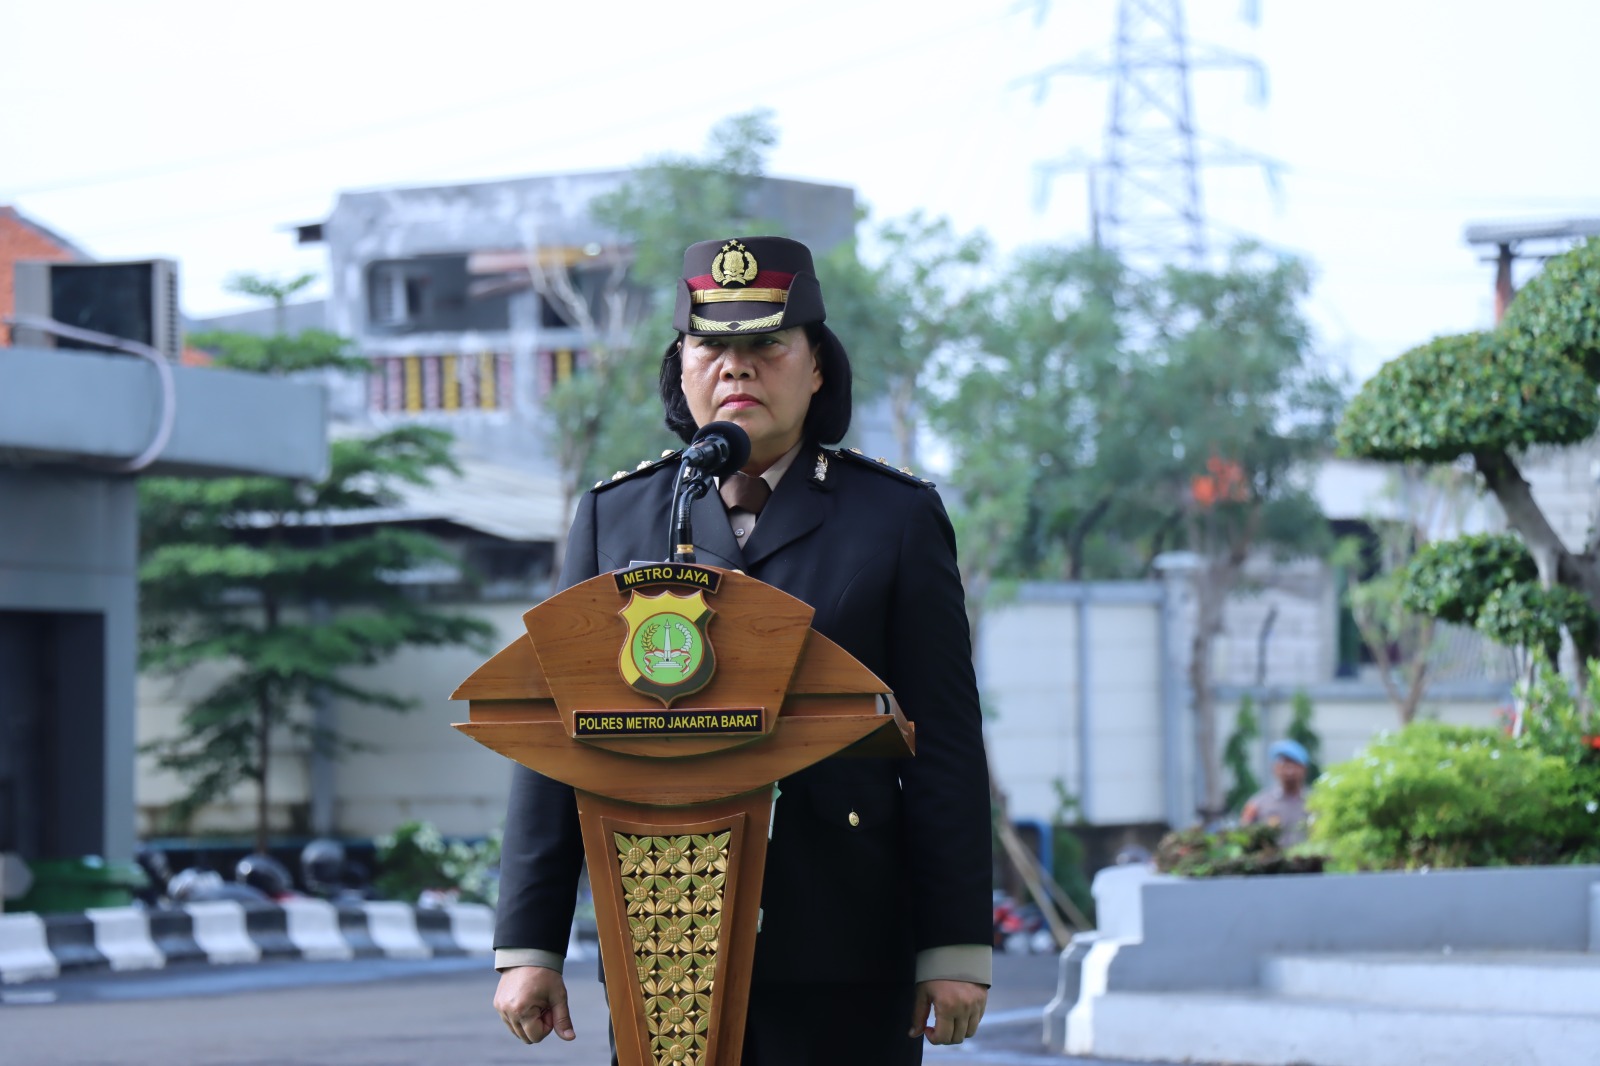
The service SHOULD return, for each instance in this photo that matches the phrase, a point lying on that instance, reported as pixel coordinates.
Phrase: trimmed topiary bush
(1557, 312)
(1469, 393)
(1530, 616)
(1450, 580)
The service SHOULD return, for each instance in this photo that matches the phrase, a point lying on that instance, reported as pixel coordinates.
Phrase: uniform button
(855, 819)
(738, 532)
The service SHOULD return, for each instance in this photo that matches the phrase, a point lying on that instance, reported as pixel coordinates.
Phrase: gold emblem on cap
(855, 819)
(734, 265)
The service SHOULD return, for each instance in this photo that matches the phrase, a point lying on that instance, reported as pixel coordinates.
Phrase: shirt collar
(774, 473)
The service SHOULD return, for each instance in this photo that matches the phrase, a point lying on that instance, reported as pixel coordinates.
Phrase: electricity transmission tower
(1144, 188)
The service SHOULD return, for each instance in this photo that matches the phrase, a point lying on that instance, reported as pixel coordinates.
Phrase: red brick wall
(19, 240)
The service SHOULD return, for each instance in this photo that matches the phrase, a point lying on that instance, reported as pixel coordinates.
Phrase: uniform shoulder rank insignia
(643, 467)
(882, 466)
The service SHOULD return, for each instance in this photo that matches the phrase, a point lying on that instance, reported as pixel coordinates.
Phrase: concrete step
(1260, 1029)
(1526, 982)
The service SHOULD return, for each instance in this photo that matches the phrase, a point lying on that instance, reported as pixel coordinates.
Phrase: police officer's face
(762, 382)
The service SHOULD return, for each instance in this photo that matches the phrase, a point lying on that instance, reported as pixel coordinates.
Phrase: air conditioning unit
(137, 301)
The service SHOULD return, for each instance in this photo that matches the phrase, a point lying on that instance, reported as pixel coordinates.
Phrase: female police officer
(877, 898)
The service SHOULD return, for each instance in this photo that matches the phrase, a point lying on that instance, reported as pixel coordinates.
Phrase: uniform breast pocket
(854, 797)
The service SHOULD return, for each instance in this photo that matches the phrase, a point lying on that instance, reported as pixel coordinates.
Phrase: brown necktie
(741, 492)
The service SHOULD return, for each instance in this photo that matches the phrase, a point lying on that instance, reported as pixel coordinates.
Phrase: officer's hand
(957, 1009)
(532, 1001)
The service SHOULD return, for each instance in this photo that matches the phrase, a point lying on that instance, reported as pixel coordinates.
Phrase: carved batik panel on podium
(674, 888)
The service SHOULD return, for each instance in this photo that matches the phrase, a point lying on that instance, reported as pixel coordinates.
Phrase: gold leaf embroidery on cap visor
(706, 325)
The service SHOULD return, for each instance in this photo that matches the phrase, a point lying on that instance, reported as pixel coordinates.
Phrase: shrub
(1445, 795)
(415, 858)
(1246, 850)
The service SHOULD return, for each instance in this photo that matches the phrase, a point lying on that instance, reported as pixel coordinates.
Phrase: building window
(405, 384)
(431, 294)
(558, 365)
(594, 285)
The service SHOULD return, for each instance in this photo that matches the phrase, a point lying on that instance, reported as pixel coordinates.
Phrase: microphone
(718, 449)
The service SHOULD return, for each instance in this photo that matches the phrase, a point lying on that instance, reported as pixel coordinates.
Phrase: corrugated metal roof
(498, 500)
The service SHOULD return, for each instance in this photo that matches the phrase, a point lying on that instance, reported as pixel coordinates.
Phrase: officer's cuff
(957, 962)
(509, 958)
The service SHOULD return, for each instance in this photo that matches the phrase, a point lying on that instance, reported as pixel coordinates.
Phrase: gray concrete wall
(89, 408)
(68, 544)
(69, 558)
(1178, 934)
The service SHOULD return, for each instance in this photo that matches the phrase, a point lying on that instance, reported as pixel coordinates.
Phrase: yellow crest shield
(667, 653)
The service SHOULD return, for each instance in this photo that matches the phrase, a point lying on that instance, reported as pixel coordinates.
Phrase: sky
(204, 131)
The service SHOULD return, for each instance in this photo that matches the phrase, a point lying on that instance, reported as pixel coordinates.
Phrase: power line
(547, 90)
(848, 65)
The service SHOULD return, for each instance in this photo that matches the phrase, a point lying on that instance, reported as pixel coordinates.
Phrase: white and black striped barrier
(36, 947)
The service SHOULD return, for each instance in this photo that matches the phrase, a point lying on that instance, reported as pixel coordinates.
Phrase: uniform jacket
(872, 550)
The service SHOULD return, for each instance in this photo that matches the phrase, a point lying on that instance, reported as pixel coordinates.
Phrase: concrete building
(452, 293)
(77, 430)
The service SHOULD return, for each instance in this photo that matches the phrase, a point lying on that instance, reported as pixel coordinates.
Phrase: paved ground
(379, 1013)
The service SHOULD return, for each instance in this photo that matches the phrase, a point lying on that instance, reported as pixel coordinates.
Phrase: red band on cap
(766, 279)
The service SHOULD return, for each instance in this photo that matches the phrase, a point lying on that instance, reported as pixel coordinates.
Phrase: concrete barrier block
(123, 936)
(472, 926)
(173, 932)
(394, 929)
(219, 929)
(268, 928)
(313, 926)
(25, 950)
(71, 939)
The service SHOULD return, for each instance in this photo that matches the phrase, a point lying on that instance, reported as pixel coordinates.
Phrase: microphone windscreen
(738, 445)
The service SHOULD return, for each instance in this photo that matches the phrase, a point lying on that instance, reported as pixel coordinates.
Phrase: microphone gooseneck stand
(691, 484)
(718, 449)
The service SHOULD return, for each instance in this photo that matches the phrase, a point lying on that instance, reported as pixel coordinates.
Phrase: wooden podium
(671, 697)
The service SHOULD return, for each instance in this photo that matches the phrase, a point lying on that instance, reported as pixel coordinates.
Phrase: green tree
(1239, 755)
(1025, 400)
(278, 352)
(1137, 417)
(899, 314)
(256, 576)
(1246, 407)
(1489, 397)
(1402, 639)
(1302, 731)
